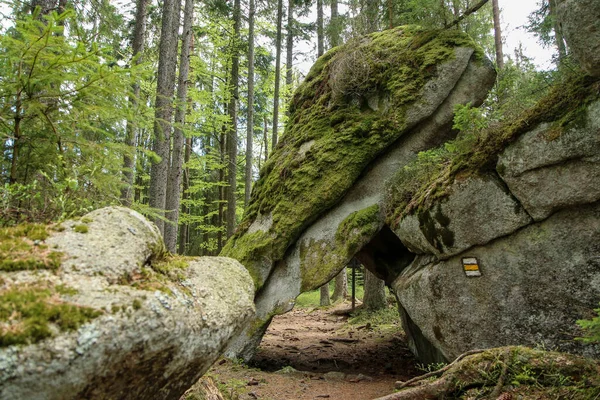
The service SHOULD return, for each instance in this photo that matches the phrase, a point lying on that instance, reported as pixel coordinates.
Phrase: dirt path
(315, 354)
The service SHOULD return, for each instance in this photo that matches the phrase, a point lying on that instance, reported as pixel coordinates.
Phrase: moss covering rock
(356, 101)
(22, 248)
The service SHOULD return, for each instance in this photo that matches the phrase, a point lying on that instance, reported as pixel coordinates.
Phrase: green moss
(28, 313)
(137, 304)
(429, 178)
(331, 108)
(357, 227)
(81, 228)
(21, 249)
(86, 220)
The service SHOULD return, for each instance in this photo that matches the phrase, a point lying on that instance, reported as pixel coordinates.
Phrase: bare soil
(316, 354)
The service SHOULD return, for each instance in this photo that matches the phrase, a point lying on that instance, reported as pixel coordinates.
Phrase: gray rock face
(580, 21)
(535, 285)
(476, 212)
(155, 333)
(547, 175)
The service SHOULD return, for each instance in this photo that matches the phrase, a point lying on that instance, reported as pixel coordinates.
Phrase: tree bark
(232, 131)
(374, 298)
(277, 73)
(266, 138)
(498, 35)
(250, 119)
(340, 292)
(320, 39)
(175, 169)
(324, 293)
(185, 229)
(289, 60)
(139, 32)
(558, 35)
(165, 86)
(334, 26)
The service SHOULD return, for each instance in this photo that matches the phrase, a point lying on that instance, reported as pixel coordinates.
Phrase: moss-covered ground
(418, 185)
(331, 108)
(31, 313)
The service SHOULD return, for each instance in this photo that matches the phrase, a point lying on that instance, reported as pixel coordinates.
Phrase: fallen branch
(502, 379)
(467, 12)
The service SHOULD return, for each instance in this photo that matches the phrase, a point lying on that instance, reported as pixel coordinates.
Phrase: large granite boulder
(508, 245)
(365, 110)
(580, 22)
(93, 309)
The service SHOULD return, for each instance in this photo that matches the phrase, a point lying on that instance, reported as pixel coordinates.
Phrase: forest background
(172, 107)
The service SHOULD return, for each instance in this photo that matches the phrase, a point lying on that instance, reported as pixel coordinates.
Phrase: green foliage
(62, 107)
(29, 313)
(591, 328)
(381, 318)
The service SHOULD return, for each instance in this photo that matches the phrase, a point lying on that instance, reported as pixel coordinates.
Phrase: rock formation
(491, 244)
(364, 110)
(92, 308)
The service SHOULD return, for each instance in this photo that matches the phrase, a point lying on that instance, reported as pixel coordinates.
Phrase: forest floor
(320, 353)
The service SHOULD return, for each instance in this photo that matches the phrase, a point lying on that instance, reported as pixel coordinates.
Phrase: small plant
(431, 367)
(591, 328)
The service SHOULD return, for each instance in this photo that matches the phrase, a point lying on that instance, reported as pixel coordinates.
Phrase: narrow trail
(315, 354)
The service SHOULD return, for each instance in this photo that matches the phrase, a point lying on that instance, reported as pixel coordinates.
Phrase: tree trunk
(250, 120)
(45, 6)
(266, 138)
(139, 32)
(341, 286)
(371, 15)
(175, 170)
(221, 214)
(324, 301)
(320, 39)
(558, 35)
(232, 131)
(498, 35)
(277, 73)
(391, 13)
(289, 60)
(184, 233)
(334, 25)
(374, 298)
(165, 86)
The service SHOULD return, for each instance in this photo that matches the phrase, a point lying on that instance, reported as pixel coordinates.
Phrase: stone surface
(547, 174)
(319, 253)
(580, 22)
(536, 284)
(156, 334)
(476, 212)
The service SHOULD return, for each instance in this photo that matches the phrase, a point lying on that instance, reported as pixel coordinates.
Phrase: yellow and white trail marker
(471, 267)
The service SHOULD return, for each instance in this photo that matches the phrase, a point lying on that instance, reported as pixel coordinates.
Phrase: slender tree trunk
(320, 39)
(250, 120)
(277, 73)
(221, 214)
(184, 234)
(498, 35)
(391, 13)
(139, 32)
(165, 86)
(558, 35)
(289, 60)
(266, 137)
(372, 14)
(16, 141)
(334, 26)
(175, 170)
(324, 301)
(232, 131)
(340, 292)
(374, 298)
(45, 6)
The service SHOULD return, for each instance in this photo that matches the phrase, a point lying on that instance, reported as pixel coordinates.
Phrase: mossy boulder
(115, 317)
(357, 100)
(364, 111)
